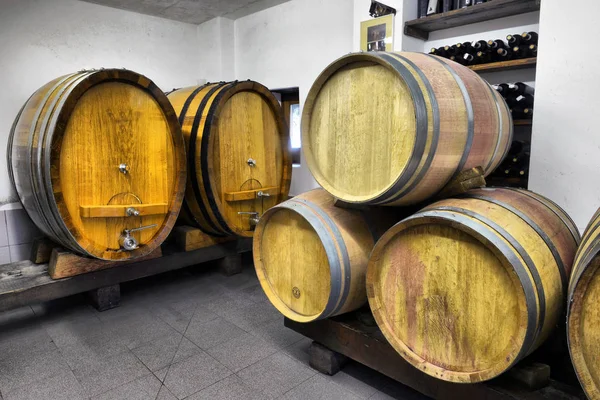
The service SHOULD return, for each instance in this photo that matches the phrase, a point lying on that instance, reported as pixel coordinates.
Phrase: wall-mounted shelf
(420, 28)
(505, 65)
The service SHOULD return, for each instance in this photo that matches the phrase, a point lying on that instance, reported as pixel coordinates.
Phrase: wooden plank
(522, 122)
(251, 194)
(421, 27)
(367, 346)
(41, 250)
(187, 238)
(116, 211)
(23, 283)
(505, 65)
(64, 264)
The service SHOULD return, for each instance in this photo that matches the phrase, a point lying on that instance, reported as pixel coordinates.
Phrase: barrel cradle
(237, 155)
(468, 286)
(97, 159)
(311, 257)
(395, 128)
(583, 316)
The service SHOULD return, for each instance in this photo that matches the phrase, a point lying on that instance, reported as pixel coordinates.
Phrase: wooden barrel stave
(326, 249)
(583, 318)
(469, 128)
(214, 153)
(46, 158)
(504, 233)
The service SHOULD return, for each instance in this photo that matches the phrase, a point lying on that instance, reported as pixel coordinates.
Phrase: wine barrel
(237, 153)
(98, 161)
(311, 257)
(467, 287)
(583, 321)
(395, 128)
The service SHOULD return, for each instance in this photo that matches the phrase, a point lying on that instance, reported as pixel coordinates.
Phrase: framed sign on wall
(377, 34)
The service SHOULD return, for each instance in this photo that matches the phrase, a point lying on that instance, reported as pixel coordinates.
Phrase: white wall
(43, 39)
(216, 50)
(565, 158)
(288, 46)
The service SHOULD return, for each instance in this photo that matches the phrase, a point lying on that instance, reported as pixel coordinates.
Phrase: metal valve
(254, 217)
(132, 212)
(260, 193)
(124, 168)
(251, 162)
(128, 242)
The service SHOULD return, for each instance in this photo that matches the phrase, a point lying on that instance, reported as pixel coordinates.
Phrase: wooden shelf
(522, 122)
(420, 28)
(505, 65)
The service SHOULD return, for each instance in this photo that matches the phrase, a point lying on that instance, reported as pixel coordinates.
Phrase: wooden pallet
(364, 343)
(187, 238)
(24, 282)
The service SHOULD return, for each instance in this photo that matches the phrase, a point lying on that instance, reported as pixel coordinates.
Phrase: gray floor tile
(242, 351)
(252, 315)
(139, 328)
(161, 374)
(63, 386)
(276, 333)
(226, 303)
(19, 371)
(255, 293)
(230, 388)
(26, 341)
(16, 316)
(299, 351)
(212, 333)
(165, 350)
(177, 315)
(360, 380)
(319, 388)
(165, 394)
(380, 396)
(143, 388)
(194, 374)
(88, 352)
(275, 375)
(110, 373)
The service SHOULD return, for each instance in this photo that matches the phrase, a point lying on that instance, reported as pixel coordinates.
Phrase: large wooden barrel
(583, 322)
(467, 287)
(96, 154)
(394, 128)
(238, 155)
(311, 257)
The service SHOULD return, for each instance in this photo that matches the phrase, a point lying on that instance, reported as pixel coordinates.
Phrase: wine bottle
(422, 12)
(519, 52)
(525, 101)
(458, 59)
(496, 44)
(447, 5)
(460, 49)
(529, 38)
(533, 50)
(479, 1)
(521, 88)
(441, 52)
(515, 148)
(433, 51)
(481, 45)
(469, 59)
(503, 55)
(502, 89)
(513, 40)
(524, 172)
(467, 45)
(528, 113)
(483, 57)
(450, 50)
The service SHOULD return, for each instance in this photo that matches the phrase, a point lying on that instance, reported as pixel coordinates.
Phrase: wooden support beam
(187, 238)
(105, 298)
(64, 264)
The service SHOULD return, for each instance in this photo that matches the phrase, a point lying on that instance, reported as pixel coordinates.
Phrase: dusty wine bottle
(483, 57)
(519, 52)
(469, 59)
(521, 88)
(533, 50)
(481, 45)
(502, 88)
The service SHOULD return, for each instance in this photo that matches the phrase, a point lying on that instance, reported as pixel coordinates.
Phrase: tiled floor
(191, 334)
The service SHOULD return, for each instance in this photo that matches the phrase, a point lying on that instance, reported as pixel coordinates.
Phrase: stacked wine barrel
(462, 289)
(99, 162)
(583, 317)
